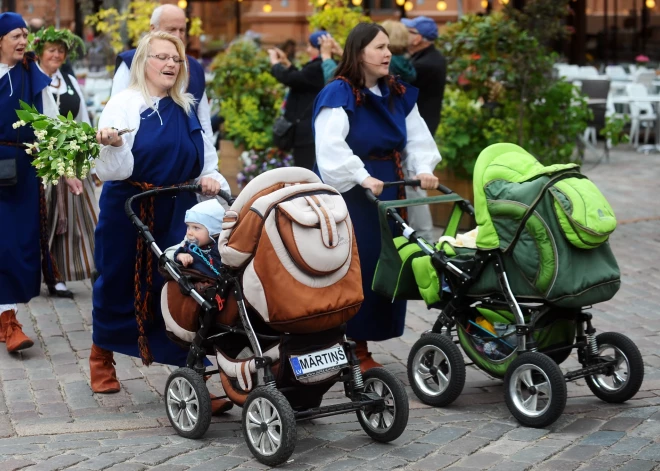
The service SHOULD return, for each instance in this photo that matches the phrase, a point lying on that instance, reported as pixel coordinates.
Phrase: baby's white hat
(209, 214)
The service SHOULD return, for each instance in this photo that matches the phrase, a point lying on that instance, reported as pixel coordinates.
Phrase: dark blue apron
(377, 130)
(20, 255)
(164, 155)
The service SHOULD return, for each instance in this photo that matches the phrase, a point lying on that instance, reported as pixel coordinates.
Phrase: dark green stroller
(517, 302)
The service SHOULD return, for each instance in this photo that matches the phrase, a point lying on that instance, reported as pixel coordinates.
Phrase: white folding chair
(588, 71)
(616, 72)
(642, 113)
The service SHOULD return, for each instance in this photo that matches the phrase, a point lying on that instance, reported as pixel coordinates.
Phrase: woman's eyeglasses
(165, 58)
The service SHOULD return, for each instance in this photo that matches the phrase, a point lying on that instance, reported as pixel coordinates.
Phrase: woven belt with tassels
(20, 145)
(401, 190)
(144, 256)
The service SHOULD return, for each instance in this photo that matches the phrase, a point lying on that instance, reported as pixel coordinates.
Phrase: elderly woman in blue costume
(164, 147)
(24, 250)
(368, 130)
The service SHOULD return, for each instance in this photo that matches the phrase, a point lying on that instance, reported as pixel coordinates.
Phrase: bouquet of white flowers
(64, 147)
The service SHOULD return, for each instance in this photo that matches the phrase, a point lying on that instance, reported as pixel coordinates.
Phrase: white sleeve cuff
(360, 175)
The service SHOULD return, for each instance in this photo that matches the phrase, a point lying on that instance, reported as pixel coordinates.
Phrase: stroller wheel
(269, 426)
(188, 403)
(535, 390)
(628, 373)
(436, 370)
(387, 424)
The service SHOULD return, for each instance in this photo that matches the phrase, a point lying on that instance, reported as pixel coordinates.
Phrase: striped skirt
(72, 236)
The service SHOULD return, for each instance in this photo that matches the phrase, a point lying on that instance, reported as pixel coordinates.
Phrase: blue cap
(315, 37)
(209, 214)
(423, 25)
(10, 21)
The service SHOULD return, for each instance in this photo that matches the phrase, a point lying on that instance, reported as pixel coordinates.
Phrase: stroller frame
(461, 275)
(372, 405)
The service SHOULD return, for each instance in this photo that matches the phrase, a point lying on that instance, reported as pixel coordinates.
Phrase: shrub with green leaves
(63, 148)
(250, 97)
(501, 89)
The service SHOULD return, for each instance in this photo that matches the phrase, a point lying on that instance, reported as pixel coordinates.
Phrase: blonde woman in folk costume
(165, 147)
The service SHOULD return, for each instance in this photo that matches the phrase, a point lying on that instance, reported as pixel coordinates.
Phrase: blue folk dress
(164, 154)
(377, 132)
(20, 250)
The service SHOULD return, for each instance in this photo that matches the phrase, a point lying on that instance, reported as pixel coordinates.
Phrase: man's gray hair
(158, 11)
(155, 16)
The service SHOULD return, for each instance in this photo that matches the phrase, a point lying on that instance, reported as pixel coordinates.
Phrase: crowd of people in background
(361, 115)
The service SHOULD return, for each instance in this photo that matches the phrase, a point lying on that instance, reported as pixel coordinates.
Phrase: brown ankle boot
(362, 352)
(102, 371)
(220, 406)
(3, 328)
(14, 336)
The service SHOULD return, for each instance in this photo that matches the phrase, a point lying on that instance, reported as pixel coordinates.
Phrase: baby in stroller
(199, 249)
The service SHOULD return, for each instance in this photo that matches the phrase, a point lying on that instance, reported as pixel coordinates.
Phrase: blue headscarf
(315, 37)
(10, 21)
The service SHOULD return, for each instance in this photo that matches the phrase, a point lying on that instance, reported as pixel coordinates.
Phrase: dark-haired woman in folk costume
(368, 130)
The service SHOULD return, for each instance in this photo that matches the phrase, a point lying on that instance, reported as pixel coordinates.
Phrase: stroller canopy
(551, 221)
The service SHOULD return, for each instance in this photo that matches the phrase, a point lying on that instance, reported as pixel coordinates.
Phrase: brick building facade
(222, 19)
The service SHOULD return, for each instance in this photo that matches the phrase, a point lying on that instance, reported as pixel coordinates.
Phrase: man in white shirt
(170, 19)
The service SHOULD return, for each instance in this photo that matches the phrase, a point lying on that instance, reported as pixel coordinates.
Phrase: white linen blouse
(83, 114)
(342, 169)
(123, 76)
(116, 163)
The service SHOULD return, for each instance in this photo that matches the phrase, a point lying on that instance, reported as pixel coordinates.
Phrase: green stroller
(516, 302)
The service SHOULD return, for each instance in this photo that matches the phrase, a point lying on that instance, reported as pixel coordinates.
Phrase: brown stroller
(274, 318)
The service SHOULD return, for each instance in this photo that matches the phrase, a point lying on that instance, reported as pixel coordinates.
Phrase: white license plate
(312, 364)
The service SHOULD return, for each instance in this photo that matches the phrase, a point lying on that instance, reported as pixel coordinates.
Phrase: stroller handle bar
(465, 204)
(128, 206)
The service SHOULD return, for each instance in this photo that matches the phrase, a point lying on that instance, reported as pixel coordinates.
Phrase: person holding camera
(304, 84)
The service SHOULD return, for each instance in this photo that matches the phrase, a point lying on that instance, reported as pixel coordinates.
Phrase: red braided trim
(359, 94)
(143, 306)
(143, 298)
(401, 190)
(395, 86)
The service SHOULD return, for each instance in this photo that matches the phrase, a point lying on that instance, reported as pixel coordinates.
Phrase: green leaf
(24, 115)
(40, 125)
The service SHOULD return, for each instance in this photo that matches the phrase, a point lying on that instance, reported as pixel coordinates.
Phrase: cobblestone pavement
(50, 420)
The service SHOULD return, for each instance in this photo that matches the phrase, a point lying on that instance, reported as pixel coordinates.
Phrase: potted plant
(250, 100)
